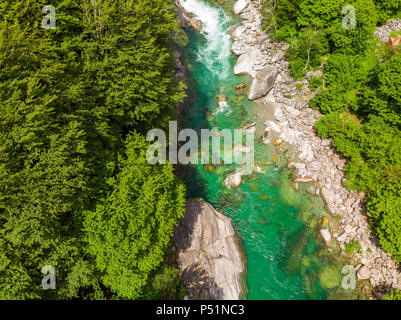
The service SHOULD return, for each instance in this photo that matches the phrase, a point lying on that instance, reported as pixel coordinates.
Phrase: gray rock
(211, 258)
(240, 6)
(314, 166)
(363, 273)
(245, 64)
(262, 84)
(325, 233)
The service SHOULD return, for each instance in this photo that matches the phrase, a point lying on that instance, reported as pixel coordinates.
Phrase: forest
(76, 102)
(359, 95)
(76, 191)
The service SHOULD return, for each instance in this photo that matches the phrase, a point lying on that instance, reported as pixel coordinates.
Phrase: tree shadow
(184, 230)
(200, 286)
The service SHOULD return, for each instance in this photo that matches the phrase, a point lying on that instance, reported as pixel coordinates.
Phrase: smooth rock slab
(211, 259)
(263, 83)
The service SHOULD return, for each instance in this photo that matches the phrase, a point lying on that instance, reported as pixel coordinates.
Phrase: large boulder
(240, 6)
(263, 83)
(211, 258)
(246, 62)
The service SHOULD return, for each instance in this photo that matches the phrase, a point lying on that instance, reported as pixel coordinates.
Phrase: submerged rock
(330, 277)
(211, 258)
(234, 180)
(263, 221)
(278, 142)
(326, 235)
(262, 84)
(325, 222)
(294, 250)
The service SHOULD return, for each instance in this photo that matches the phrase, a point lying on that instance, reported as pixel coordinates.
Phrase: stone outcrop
(187, 19)
(262, 83)
(384, 32)
(211, 259)
(314, 159)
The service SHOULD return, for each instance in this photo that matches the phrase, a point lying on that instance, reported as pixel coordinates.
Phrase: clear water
(278, 225)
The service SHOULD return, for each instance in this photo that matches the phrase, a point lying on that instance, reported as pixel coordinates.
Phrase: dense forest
(76, 102)
(359, 95)
(76, 191)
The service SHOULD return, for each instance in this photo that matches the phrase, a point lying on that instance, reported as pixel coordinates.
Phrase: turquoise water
(278, 225)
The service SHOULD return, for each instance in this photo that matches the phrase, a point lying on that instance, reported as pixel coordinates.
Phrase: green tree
(130, 230)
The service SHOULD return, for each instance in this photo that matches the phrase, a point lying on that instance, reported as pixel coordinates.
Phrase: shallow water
(278, 225)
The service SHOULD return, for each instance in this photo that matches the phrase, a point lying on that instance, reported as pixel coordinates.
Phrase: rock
(245, 64)
(211, 259)
(314, 166)
(251, 130)
(240, 148)
(264, 37)
(343, 237)
(278, 56)
(240, 6)
(238, 32)
(249, 126)
(330, 277)
(187, 18)
(363, 273)
(299, 166)
(325, 222)
(257, 169)
(272, 126)
(234, 180)
(306, 152)
(303, 179)
(325, 233)
(221, 98)
(262, 83)
(278, 142)
(197, 25)
(328, 198)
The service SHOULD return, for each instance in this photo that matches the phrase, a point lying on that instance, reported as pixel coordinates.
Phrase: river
(279, 225)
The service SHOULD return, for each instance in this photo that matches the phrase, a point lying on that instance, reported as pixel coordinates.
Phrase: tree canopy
(69, 99)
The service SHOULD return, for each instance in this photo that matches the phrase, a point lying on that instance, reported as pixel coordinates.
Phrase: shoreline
(314, 159)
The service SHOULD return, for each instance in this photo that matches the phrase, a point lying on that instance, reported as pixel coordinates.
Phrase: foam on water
(216, 52)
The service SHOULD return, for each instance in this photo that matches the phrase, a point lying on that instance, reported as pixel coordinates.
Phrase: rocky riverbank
(211, 259)
(314, 159)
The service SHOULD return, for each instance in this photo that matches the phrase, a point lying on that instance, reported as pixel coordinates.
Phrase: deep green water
(277, 224)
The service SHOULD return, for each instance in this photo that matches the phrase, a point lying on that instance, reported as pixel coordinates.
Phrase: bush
(353, 247)
(394, 295)
(315, 83)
